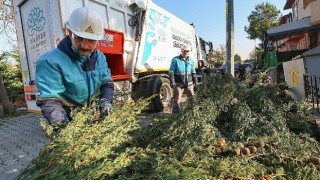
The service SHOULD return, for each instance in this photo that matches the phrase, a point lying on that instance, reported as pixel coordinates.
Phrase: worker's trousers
(177, 94)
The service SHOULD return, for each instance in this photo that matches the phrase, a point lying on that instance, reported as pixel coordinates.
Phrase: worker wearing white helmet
(182, 77)
(70, 74)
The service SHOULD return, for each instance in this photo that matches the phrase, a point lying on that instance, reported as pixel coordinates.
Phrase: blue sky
(209, 18)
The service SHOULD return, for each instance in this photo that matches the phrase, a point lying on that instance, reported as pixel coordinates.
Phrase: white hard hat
(86, 23)
(186, 48)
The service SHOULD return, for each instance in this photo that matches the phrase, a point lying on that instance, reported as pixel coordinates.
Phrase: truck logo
(157, 22)
(36, 21)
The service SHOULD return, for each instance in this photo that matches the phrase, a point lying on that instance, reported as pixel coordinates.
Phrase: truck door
(34, 32)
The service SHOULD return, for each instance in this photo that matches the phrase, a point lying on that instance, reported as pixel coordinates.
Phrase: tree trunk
(6, 104)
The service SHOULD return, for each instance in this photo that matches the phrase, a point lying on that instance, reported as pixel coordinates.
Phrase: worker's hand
(105, 106)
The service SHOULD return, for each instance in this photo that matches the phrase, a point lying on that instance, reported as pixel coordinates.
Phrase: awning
(289, 30)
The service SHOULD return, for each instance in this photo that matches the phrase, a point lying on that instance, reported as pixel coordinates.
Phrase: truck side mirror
(200, 64)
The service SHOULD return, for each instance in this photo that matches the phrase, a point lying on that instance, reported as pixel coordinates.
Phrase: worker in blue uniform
(182, 77)
(67, 76)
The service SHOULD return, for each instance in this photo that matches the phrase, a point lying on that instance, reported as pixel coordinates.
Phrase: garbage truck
(140, 40)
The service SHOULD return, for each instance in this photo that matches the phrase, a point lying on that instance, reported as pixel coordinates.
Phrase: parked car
(248, 67)
(238, 69)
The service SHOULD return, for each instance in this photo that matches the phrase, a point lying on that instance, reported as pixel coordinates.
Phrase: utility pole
(230, 38)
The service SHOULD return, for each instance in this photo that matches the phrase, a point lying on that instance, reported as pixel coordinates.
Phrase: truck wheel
(162, 88)
(155, 85)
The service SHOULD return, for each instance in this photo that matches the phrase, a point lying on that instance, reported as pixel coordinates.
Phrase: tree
(5, 101)
(8, 33)
(263, 18)
(219, 55)
(237, 58)
(12, 74)
(7, 25)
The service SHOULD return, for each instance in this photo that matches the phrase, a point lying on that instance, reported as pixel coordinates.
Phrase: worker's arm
(49, 83)
(107, 85)
(194, 75)
(172, 70)
(53, 111)
(106, 89)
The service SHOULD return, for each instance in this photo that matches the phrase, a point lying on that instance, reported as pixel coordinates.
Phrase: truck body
(140, 41)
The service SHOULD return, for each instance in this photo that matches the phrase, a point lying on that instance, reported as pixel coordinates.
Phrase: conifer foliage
(227, 131)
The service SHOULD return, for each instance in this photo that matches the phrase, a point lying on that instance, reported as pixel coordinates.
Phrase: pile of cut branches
(227, 131)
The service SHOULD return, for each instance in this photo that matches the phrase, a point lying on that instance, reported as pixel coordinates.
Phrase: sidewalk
(21, 140)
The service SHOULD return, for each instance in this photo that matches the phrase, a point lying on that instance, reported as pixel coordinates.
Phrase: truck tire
(158, 85)
(165, 94)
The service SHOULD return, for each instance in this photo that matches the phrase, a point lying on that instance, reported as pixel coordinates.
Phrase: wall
(302, 13)
(315, 15)
(293, 72)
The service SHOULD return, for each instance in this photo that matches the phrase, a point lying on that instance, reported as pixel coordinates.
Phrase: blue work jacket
(182, 70)
(61, 74)
(58, 75)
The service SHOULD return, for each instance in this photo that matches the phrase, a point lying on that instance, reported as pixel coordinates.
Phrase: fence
(311, 87)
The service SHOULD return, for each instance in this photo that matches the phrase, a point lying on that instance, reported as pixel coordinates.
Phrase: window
(293, 46)
(294, 13)
(313, 39)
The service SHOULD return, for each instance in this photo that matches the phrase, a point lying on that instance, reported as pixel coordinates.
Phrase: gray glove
(172, 82)
(105, 106)
(173, 85)
(194, 79)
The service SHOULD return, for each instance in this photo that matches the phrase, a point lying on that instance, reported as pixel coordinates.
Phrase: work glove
(194, 79)
(172, 83)
(105, 106)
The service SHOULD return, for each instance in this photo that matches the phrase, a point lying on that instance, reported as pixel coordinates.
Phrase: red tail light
(31, 97)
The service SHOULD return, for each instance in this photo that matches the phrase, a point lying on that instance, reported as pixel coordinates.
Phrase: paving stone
(11, 163)
(2, 152)
(11, 172)
(2, 170)
(6, 157)
(26, 160)
(6, 176)
(21, 156)
(14, 169)
(21, 140)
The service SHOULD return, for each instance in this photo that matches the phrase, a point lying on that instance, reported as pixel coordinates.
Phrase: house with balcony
(295, 43)
(298, 30)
